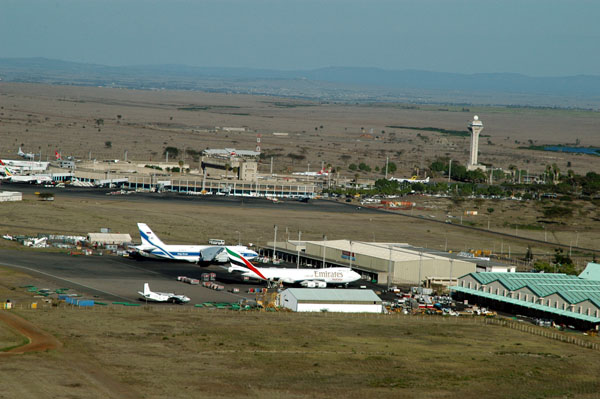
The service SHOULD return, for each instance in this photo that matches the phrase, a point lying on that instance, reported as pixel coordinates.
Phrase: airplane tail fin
(146, 288)
(240, 262)
(7, 171)
(148, 236)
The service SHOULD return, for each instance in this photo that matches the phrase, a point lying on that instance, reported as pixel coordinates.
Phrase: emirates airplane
(310, 278)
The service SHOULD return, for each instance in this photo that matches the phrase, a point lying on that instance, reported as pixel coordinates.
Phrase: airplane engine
(308, 284)
(321, 284)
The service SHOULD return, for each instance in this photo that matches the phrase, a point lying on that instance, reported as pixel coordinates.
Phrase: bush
(556, 211)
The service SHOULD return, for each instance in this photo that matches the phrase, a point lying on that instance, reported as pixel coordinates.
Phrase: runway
(316, 205)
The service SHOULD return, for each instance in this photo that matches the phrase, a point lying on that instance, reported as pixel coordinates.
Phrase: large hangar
(563, 298)
(392, 263)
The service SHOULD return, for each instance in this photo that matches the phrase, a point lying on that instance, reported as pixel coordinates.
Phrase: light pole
(420, 266)
(298, 248)
(389, 278)
(451, 264)
(324, 249)
(449, 170)
(275, 242)
(239, 238)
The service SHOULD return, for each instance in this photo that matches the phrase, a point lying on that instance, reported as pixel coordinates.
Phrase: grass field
(181, 354)
(177, 352)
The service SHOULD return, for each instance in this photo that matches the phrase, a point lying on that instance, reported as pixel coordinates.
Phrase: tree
(107, 144)
(353, 166)
(391, 168)
(296, 157)
(529, 254)
(364, 167)
(173, 151)
(181, 166)
(345, 158)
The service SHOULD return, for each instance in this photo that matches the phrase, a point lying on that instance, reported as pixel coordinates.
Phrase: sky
(531, 37)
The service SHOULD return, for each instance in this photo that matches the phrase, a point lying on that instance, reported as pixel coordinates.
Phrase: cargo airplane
(310, 278)
(152, 296)
(26, 155)
(153, 246)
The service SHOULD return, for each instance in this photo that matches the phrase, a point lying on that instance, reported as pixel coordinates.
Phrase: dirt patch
(38, 340)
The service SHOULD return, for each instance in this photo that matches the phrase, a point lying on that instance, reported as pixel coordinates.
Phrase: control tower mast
(475, 127)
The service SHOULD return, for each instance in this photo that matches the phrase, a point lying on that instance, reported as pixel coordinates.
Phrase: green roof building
(567, 299)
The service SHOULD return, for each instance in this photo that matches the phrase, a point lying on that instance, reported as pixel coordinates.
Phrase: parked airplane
(26, 155)
(322, 172)
(152, 245)
(310, 278)
(411, 180)
(9, 175)
(26, 166)
(152, 296)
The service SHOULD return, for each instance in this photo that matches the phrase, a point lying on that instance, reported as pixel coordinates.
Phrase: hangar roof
(401, 252)
(109, 238)
(341, 295)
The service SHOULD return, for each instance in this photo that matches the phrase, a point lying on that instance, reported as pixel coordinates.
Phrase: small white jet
(413, 179)
(152, 245)
(152, 296)
(26, 155)
(310, 278)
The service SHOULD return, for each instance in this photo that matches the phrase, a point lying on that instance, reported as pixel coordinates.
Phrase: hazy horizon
(530, 37)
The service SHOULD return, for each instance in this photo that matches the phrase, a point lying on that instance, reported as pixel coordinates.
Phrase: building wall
(404, 272)
(554, 299)
(344, 308)
(497, 288)
(525, 294)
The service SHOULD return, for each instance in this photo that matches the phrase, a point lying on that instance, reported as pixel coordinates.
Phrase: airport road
(114, 278)
(211, 200)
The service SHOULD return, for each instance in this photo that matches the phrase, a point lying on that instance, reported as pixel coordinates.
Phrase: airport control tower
(475, 126)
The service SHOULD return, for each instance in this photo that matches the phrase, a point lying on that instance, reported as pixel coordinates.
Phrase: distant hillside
(333, 83)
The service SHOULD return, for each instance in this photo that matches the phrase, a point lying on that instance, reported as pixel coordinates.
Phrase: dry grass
(194, 222)
(192, 353)
(47, 118)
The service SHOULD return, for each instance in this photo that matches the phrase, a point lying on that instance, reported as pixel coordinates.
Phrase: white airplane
(9, 175)
(322, 172)
(26, 166)
(26, 155)
(309, 278)
(152, 296)
(152, 245)
(411, 180)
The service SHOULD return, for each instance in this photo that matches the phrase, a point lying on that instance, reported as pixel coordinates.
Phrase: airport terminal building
(391, 263)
